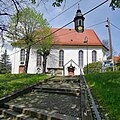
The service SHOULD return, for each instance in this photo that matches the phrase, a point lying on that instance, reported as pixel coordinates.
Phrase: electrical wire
(115, 26)
(63, 26)
(72, 21)
(61, 34)
(95, 7)
(64, 11)
(45, 37)
(97, 24)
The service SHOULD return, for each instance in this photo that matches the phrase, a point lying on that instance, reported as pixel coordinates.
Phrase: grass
(13, 82)
(106, 88)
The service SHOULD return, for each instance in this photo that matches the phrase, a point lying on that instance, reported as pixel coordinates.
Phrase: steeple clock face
(80, 28)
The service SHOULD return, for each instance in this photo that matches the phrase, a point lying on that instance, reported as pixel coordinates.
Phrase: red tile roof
(68, 36)
(116, 59)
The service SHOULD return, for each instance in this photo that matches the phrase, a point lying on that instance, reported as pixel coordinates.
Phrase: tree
(5, 64)
(115, 4)
(9, 7)
(106, 43)
(44, 49)
(31, 26)
(57, 3)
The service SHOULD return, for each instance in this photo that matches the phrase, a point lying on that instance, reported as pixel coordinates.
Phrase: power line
(64, 11)
(72, 20)
(45, 36)
(64, 26)
(65, 34)
(115, 26)
(58, 35)
(97, 24)
(95, 7)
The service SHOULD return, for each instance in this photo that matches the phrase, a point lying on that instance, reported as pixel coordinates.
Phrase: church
(71, 52)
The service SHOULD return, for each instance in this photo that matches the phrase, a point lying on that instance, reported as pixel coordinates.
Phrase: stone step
(1, 117)
(37, 114)
(7, 113)
(13, 115)
(57, 90)
(4, 118)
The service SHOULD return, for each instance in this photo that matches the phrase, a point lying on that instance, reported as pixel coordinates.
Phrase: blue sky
(96, 16)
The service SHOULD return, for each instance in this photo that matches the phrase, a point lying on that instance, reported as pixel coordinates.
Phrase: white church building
(70, 52)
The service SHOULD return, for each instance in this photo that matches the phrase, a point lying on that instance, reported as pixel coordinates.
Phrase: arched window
(39, 59)
(80, 58)
(61, 58)
(22, 55)
(94, 56)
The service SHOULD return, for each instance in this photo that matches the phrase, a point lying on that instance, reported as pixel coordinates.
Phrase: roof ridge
(70, 28)
(65, 37)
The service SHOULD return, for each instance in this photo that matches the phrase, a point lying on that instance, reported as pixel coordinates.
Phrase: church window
(80, 58)
(94, 56)
(61, 58)
(39, 59)
(22, 55)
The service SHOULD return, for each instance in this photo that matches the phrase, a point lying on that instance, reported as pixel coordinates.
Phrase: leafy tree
(57, 3)
(5, 64)
(94, 67)
(115, 4)
(44, 47)
(31, 27)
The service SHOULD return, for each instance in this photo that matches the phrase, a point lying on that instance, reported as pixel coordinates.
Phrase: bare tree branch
(4, 14)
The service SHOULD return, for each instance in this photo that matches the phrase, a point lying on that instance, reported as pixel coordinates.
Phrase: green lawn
(106, 88)
(13, 82)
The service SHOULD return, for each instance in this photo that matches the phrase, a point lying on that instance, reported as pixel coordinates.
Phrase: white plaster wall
(72, 53)
(53, 58)
(32, 68)
(99, 55)
(15, 60)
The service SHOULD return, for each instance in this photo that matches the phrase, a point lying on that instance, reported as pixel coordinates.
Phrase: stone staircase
(22, 113)
(15, 113)
(50, 100)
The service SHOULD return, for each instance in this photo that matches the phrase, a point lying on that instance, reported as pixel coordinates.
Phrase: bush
(93, 67)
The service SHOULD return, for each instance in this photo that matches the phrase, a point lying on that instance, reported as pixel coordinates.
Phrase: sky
(98, 15)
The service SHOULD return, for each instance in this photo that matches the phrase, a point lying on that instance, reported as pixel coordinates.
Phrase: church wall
(70, 53)
(15, 60)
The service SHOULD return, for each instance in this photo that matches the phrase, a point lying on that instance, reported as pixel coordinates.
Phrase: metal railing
(84, 99)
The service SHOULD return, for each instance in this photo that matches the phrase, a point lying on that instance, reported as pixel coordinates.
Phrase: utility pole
(110, 39)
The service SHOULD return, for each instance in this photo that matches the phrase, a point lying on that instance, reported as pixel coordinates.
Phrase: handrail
(91, 98)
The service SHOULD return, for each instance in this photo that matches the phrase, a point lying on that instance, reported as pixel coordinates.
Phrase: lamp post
(79, 21)
(86, 41)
